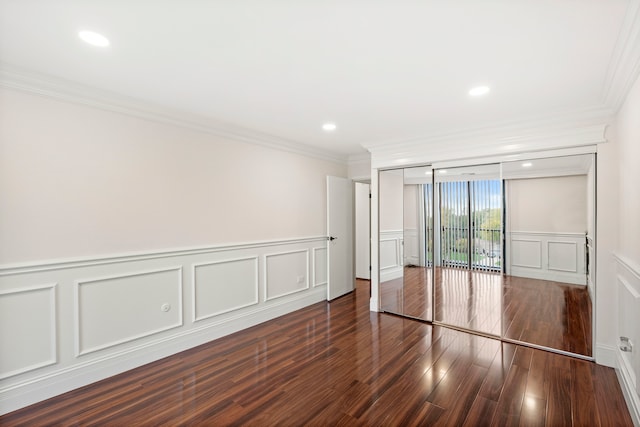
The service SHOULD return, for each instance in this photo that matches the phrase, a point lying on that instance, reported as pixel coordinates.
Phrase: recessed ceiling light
(93, 38)
(479, 91)
(527, 165)
(428, 173)
(329, 127)
(443, 171)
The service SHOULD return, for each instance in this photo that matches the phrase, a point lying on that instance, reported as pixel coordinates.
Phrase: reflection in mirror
(390, 187)
(468, 248)
(549, 233)
(418, 246)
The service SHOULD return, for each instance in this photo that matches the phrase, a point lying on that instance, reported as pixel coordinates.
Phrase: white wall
(621, 263)
(78, 181)
(557, 204)
(125, 240)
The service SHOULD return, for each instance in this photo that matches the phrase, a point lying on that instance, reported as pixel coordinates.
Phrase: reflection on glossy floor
(340, 364)
(546, 313)
(410, 296)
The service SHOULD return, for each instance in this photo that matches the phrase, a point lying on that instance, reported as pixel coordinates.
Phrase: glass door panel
(468, 285)
(418, 246)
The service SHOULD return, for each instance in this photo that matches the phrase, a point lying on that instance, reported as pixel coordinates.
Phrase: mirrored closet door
(406, 242)
(549, 237)
(468, 280)
(504, 250)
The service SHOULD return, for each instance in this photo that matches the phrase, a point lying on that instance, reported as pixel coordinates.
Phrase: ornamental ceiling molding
(67, 91)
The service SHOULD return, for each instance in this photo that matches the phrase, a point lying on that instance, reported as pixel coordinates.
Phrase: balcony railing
(485, 248)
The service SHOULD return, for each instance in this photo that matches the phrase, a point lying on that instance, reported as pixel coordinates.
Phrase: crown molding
(586, 128)
(624, 67)
(67, 91)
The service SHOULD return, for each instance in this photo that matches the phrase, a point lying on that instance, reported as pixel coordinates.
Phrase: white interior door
(340, 276)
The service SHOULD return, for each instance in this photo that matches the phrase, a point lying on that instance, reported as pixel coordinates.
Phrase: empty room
(319, 213)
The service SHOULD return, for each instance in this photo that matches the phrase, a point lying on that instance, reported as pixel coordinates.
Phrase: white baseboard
(391, 274)
(553, 276)
(606, 355)
(176, 300)
(37, 389)
(628, 390)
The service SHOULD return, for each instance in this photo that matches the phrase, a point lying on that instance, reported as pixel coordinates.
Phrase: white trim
(39, 266)
(513, 264)
(633, 268)
(266, 274)
(606, 355)
(488, 145)
(548, 233)
(67, 91)
(53, 334)
(195, 266)
(36, 389)
(78, 345)
(575, 248)
(624, 67)
(626, 384)
(315, 266)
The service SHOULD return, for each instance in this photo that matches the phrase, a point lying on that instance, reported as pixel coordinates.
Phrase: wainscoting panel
(526, 253)
(66, 324)
(391, 248)
(411, 247)
(286, 273)
(559, 257)
(223, 286)
(27, 329)
(628, 362)
(319, 266)
(563, 256)
(118, 309)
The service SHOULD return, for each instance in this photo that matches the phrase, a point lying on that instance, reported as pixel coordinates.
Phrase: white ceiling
(381, 70)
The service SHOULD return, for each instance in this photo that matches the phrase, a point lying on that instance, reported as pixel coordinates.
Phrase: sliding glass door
(469, 254)
(470, 220)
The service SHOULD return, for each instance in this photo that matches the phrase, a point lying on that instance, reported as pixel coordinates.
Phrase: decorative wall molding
(81, 324)
(624, 67)
(283, 279)
(498, 143)
(228, 279)
(79, 262)
(72, 92)
(521, 257)
(319, 267)
(78, 364)
(391, 254)
(558, 250)
(559, 257)
(630, 395)
(628, 319)
(52, 356)
(411, 247)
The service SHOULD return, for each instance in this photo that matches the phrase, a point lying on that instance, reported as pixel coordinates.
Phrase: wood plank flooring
(551, 314)
(339, 364)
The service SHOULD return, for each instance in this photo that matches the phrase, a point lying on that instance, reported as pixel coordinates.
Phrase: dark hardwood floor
(339, 364)
(551, 314)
